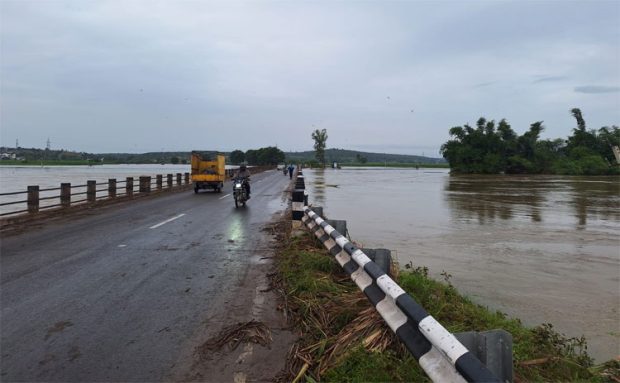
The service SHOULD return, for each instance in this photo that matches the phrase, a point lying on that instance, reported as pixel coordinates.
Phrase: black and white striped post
(439, 353)
(298, 200)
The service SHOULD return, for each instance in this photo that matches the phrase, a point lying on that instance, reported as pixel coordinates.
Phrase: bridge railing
(36, 199)
(440, 354)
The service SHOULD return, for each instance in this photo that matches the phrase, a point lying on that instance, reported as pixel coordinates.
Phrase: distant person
(244, 174)
(290, 171)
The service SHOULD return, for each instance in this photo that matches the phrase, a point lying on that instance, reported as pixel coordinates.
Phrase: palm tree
(581, 124)
(320, 138)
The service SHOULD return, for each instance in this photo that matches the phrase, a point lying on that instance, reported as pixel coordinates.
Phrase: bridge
(127, 292)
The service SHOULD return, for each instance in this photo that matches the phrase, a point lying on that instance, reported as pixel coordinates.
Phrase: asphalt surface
(120, 295)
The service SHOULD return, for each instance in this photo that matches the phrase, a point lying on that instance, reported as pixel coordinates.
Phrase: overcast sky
(137, 76)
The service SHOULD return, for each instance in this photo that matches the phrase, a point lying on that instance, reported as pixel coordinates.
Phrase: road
(127, 293)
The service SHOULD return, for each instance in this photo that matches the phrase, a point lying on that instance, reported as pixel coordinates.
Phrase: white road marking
(166, 221)
(225, 196)
(122, 245)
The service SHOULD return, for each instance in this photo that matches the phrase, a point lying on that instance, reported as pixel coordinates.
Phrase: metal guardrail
(439, 352)
(67, 192)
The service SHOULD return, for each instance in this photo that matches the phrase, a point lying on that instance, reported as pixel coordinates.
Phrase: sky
(380, 76)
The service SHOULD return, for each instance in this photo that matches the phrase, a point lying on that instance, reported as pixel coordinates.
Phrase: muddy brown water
(545, 249)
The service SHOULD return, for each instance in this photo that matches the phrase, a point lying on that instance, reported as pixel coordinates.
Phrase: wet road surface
(121, 295)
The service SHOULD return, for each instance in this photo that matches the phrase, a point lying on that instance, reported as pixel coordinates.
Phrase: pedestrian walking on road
(290, 171)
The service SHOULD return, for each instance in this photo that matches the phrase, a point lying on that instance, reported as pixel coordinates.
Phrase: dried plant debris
(232, 336)
(369, 329)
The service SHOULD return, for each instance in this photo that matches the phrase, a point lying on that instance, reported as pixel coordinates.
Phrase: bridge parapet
(68, 195)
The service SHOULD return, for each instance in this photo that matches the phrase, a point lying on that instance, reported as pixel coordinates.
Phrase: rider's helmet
(242, 167)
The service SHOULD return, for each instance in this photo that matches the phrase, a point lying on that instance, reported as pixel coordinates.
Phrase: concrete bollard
(65, 194)
(91, 191)
(339, 224)
(159, 182)
(112, 188)
(300, 182)
(493, 348)
(169, 180)
(33, 199)
(129, 186)
(382, 257)
(145, 184)
(186, 178)
(178, 179)
(317, 209)
(298, 208)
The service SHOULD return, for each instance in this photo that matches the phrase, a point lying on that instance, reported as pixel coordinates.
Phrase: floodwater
(545, 249)
(18, 178)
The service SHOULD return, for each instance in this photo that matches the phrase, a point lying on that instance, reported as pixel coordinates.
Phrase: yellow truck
(208, 170)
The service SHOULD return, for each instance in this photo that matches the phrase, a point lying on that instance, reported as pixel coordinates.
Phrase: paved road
(120, 295)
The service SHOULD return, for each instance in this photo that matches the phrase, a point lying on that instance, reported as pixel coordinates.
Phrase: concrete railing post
(178, 179)
(91, 191)
(382, 257)
(65, 194)
(169, 180)
(159, 181)
(298, 208)
(300, 183)
(33, 199)
(145, 184)
(111, 187)
(186, 178)
(129, 186)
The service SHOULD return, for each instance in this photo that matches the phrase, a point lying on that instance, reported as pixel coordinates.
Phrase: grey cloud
(142, 75)
(593, 89)
(483, 84)
(550, 79)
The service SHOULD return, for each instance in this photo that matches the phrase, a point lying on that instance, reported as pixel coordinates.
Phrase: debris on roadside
(232, 336)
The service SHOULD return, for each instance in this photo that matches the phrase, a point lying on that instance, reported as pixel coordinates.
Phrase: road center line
(225, 196)
(166, 221)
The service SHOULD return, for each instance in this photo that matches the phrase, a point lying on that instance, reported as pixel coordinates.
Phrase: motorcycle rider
(244, 173)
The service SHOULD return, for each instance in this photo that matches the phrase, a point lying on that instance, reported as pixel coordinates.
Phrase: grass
(343, 339)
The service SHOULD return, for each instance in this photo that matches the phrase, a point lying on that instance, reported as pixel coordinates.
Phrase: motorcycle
(240, 191)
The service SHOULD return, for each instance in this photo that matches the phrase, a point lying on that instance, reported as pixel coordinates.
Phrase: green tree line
(264, 156)
(491, 148)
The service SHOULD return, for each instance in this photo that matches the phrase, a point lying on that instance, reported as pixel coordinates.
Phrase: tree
(237, 157)
(487, 149)
(251, 157)
(174, 160)
(270, 155)
(264, 156)
(581, 124)
(320, 140)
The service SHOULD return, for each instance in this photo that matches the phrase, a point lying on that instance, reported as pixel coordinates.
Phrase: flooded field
(540, 248)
